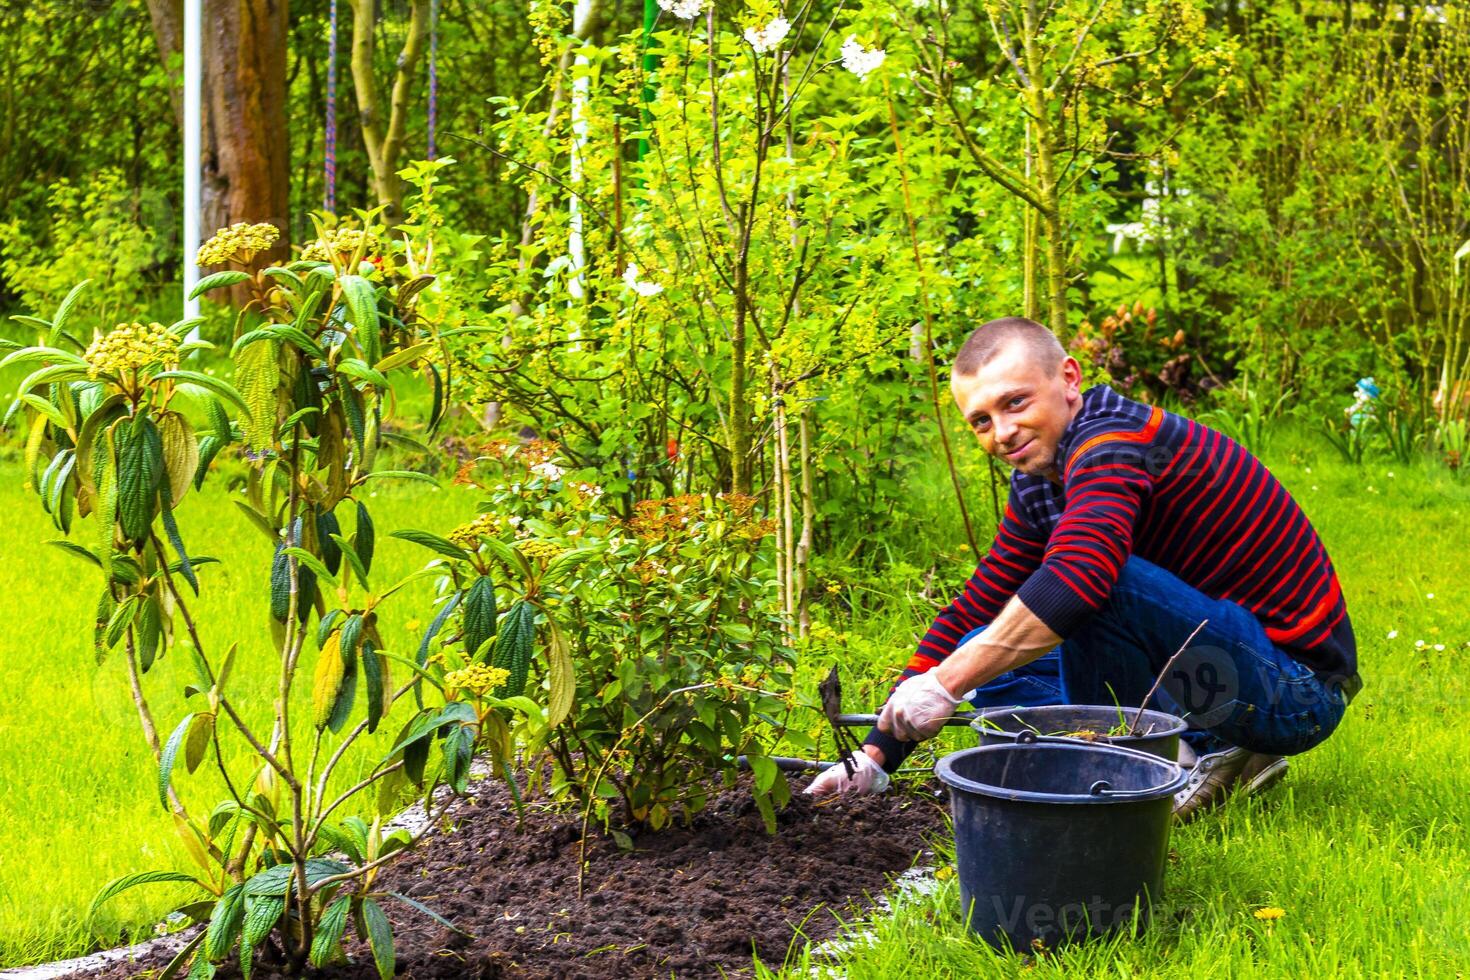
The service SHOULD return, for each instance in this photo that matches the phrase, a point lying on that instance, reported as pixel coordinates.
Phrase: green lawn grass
(1364, 846)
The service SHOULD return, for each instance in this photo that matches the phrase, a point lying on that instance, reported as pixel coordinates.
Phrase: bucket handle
(1105, 789)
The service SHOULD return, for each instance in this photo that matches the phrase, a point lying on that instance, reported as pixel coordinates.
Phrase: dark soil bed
(695, 902)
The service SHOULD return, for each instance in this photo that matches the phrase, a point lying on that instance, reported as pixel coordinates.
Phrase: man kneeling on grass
(1126, 527)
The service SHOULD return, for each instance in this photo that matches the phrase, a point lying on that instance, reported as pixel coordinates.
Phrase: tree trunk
(384, 141)
(247, 151)
(168, 37)
(245, 146)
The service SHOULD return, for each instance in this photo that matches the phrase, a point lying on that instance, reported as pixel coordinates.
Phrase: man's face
(1018, 409)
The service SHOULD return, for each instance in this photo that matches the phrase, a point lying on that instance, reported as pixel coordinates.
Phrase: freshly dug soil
(693, 902)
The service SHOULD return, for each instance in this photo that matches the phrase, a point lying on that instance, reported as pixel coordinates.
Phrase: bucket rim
(944, 770)
(1177, 725)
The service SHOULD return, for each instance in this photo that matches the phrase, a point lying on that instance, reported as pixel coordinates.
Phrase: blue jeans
(1232, 685)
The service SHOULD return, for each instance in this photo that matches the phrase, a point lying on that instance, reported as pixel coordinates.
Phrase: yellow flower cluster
(476, 678)
(468, 536)
(132, 345)
(539, 550)
(342, 241)
(237, 243)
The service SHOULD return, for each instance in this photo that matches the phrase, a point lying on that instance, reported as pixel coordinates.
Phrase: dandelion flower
(1270, 913)
(859, 60)
(766, 38)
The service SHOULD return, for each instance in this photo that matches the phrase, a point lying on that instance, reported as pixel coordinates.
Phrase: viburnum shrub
(667, 613)
(108, 439)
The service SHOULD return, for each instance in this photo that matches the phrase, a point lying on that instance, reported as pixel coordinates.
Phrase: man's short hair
(1042, 346)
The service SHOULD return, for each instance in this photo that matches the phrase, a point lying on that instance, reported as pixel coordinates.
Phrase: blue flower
(1368, 387)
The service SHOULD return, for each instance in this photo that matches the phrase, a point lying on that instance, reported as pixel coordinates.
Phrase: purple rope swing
(330, 160)
(433, 72)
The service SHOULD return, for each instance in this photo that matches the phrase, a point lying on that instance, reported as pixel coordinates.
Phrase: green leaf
(230, 277)
(176, 964)
(63, 312)
(166, 760)
(119, 885)
(148, 631)
(208, 383)
(308, 560)
(326, 526)
(739, 632)
(171, 528)
(140, 474)
(122, 618)
(374, 672)
(261, 914)
(219, 420)
(402, 357)
(365, 538)
(46, 409)
(459, 750)
(300, 340)
(258, 373)
(380, 937)
(224, 925)
(354, 368)
(274, 881)
(514, 645)
(56, 373)
(765, 771)
(331, 669)
(75, 549)
(350, 553)
(25, 321)
(325, 945)
(201, 731)
(564, 563)
(426, 722)
(402, 475)
(433, 542)
(562, 676)
(52, 355)
(430, 913)
(362, 310)
(479, 614)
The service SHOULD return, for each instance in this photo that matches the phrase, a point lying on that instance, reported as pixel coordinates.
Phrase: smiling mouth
(1018, 450)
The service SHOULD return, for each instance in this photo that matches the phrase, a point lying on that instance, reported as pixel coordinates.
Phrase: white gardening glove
(918, 709)
(867, 778)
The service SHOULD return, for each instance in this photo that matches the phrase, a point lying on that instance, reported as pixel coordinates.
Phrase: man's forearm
(1016, 637)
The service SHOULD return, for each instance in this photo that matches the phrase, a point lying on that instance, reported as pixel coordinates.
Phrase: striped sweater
(1141, 481)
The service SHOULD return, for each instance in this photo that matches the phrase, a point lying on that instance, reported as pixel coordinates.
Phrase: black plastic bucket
(1058, 840)
(1158, 733)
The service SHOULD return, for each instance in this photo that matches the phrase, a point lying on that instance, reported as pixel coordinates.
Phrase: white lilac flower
(858, 59)
(549, 470)
(642, 288)
(1392, 634)
(766, 38)
(683, 9)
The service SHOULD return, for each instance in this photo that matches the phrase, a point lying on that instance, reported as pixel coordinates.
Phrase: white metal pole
(581, 90)
(193, 124)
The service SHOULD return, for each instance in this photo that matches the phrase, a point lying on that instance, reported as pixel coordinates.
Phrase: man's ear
(1072, 377)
